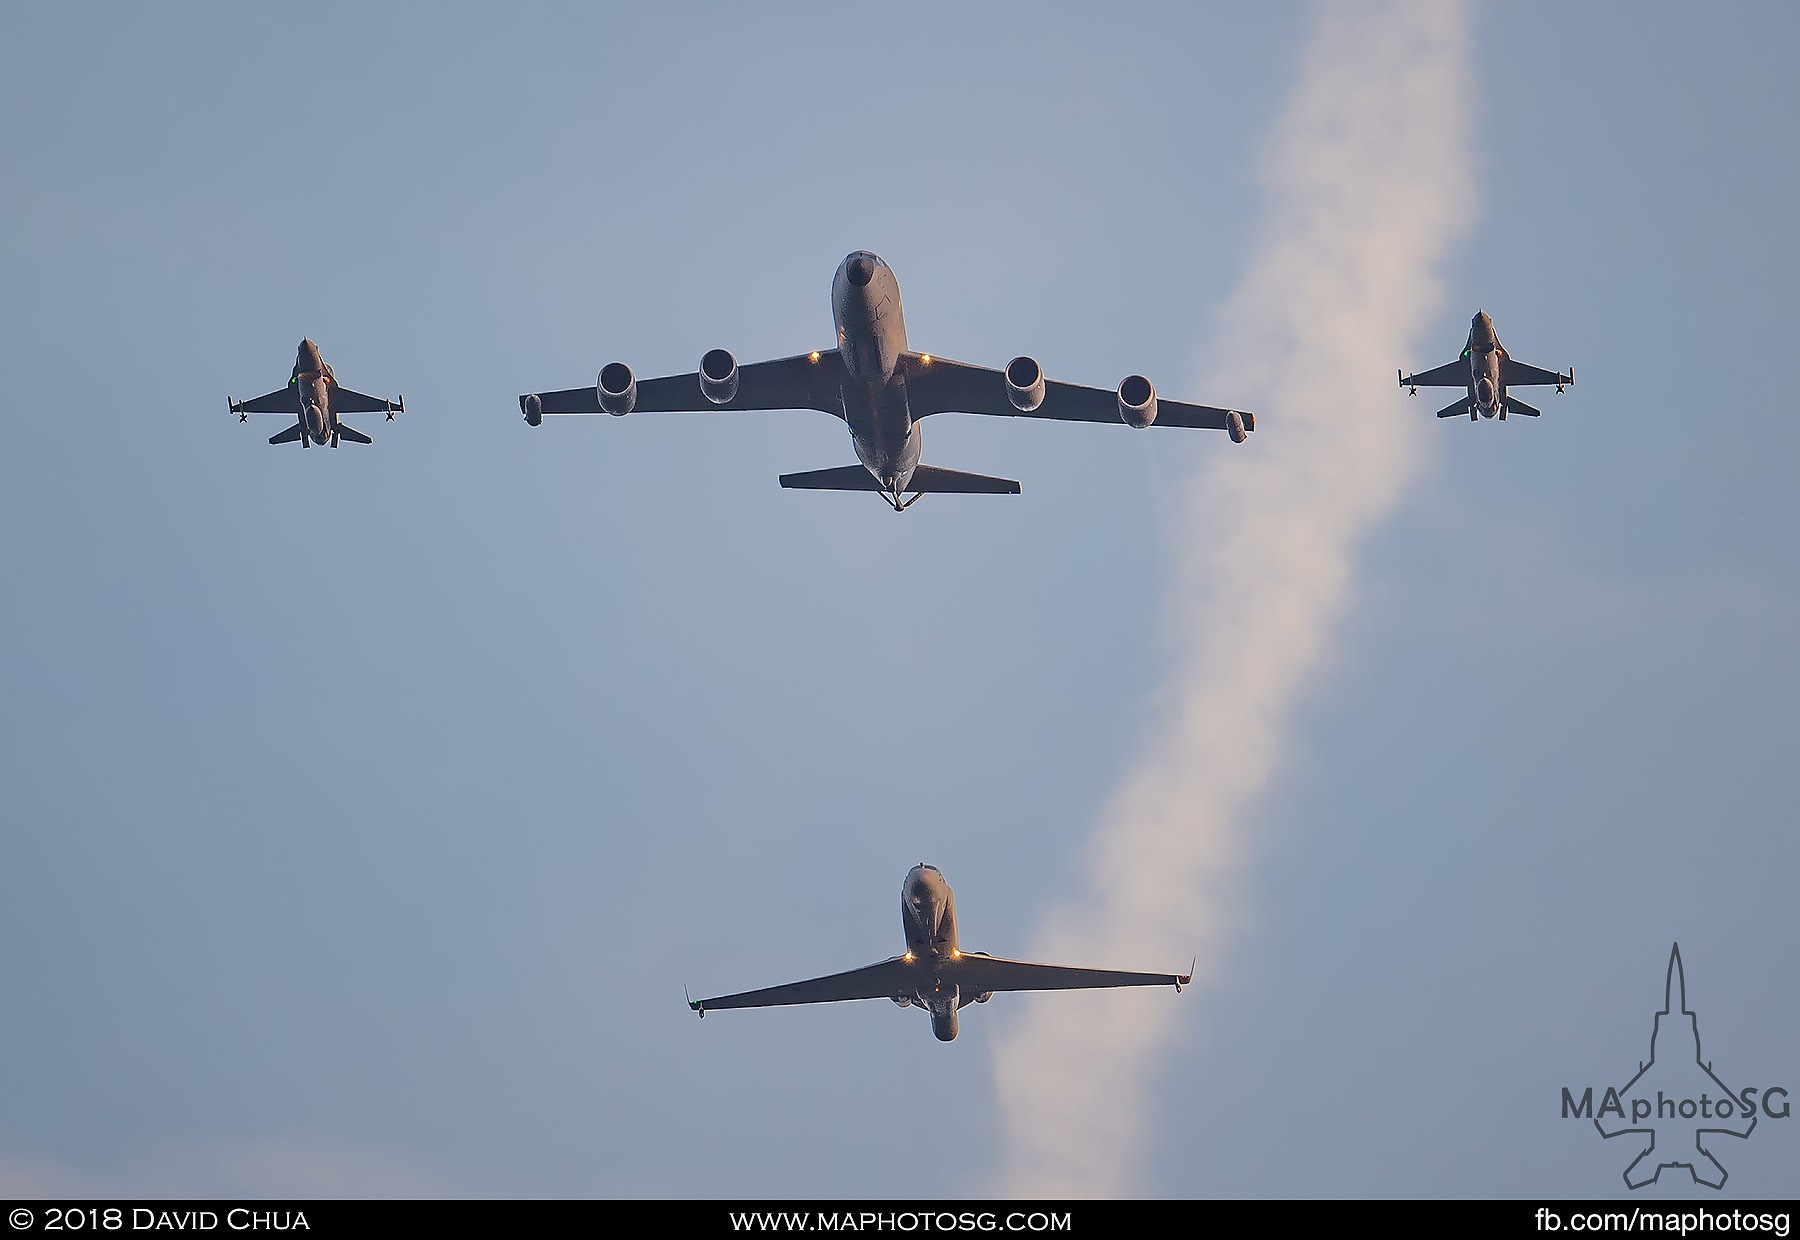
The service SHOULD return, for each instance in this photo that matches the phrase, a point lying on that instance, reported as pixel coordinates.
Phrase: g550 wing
(943, 386)
(886, 980)
(977, 973)
(805, 381)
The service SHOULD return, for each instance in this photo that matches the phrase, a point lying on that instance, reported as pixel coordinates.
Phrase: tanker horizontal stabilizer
(843, 478)
(930, 480)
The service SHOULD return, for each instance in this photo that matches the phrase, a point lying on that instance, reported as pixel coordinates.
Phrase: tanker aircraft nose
(859, 268)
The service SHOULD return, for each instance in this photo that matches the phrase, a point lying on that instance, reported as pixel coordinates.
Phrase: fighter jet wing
(343, 400)
(889, 979)
(805, 381)
(1450, 374)
(938, 385)
(1518, 374)
(977, 973)
(285, 401)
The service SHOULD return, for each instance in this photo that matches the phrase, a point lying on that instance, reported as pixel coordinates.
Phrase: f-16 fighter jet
(881, 389)
(1488, 373)
(314, 400)
(934, 973)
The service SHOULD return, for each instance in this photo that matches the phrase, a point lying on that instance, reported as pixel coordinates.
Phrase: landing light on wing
(907, 957)
(813, 356)
(956, 955)
(927, 359)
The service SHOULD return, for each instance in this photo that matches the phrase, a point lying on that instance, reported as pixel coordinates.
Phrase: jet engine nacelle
(617, 389)
(1137, 401)
(534, 411)
(1025, 383)
(1484, 390)
(1234, 423)
(718, 376)
(943, 1025)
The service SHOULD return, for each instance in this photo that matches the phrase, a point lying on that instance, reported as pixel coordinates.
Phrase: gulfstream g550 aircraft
(881, 390)
(934, 973)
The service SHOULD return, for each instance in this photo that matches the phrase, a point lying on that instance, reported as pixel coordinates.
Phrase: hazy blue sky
(362, 814)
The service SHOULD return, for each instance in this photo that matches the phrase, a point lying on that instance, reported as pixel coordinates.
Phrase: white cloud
(1368, 186)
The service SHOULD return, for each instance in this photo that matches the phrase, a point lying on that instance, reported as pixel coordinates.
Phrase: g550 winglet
(314, 400)
(881, 390)
(934, 973)
(1487, 372)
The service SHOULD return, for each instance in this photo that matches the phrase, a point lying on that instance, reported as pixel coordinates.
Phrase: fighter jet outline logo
(1707, 1119)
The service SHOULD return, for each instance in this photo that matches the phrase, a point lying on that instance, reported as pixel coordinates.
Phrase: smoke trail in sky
(1368, 185)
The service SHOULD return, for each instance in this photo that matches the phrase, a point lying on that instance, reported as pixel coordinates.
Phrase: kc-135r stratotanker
(934, 972)
(881, 390)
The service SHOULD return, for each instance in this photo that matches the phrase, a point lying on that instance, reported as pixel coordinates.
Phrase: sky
(364, 813)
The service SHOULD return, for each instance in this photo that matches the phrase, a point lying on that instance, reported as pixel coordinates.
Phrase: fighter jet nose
(860, 268)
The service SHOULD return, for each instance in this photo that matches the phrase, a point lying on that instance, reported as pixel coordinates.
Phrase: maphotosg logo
(1676, 1106)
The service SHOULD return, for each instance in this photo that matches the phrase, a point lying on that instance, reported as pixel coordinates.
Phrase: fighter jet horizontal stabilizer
(1515, 405)
(289, 435)
(352, 434)
(1455, 409)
